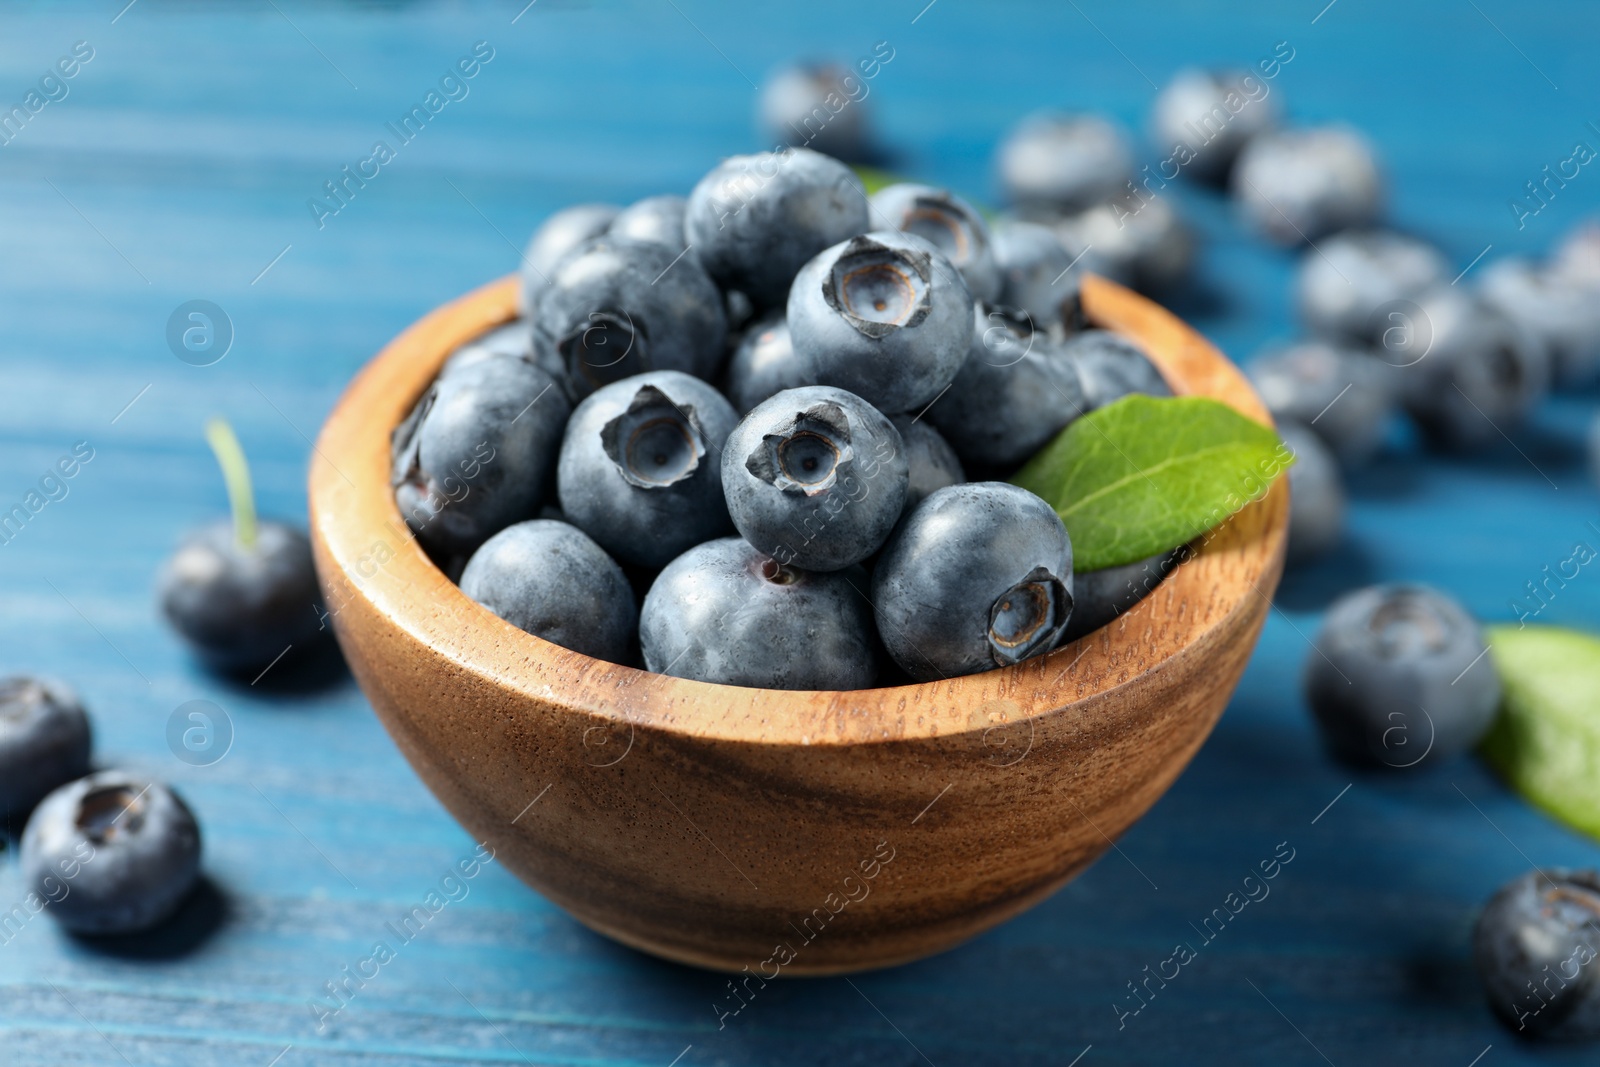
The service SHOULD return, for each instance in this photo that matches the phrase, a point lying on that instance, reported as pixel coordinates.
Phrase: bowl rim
(359, 531)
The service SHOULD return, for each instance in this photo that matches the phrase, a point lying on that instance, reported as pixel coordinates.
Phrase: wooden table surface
(178, 167)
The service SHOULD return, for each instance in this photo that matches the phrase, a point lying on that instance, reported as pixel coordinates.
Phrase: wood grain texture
(712, 824)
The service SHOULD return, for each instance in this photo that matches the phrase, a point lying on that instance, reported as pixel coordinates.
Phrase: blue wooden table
(177, 164)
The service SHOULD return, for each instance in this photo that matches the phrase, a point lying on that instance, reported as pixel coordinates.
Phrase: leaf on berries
(1146, 474)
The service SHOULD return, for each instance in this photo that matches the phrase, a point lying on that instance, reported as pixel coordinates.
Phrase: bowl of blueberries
(684, 567)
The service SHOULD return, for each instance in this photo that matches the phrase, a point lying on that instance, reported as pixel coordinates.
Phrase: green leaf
(873, 179)
(1147, 474)
(1546, 741)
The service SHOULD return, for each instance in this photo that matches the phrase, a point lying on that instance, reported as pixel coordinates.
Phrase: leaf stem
(236, 474)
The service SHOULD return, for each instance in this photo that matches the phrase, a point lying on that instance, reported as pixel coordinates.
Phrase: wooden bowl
(783, 832)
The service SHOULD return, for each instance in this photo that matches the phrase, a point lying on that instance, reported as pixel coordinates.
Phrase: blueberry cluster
(806, 521)
(104, 853)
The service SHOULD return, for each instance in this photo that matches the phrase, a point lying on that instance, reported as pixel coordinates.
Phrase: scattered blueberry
(1399, 674)
(817, 106)
(1357, 287)
(723, 612)
(1037, 272)
(1469, 374)
(1212, 114)
(113, 853)
(884, 315)
(553, 581)
(242, 606)
(1535, 946)
(1144, 244)
(1110, 367)
(763, 363)
(1015, 391)
(655, 218)
(477, 453)
(1560, 313)
(641, 466)
(815, 477)
(978, 576)
(1298, 185)
(930, 461)
(1342, 395)
(44, 741)
(1316, 494)
(948, 223)
(1100, 597)
(1069, 162)
(755, 220)
(616, 307)
(555, 237)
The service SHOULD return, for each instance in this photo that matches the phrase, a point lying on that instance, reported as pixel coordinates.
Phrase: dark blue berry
(815, 478)
(655, 218)
(1069, 162)
(114, 853)
(1111, 367)
(755, 220)
(1535, 947)
(241, 607)
(44, 741)
(1399, 675)
(1316, 494)
(616, 307)
(725, 612)
(1297, 185)
(978, 576)
(884, 315)
(948, 223)
(763, 363)
(478, 452)
(552, 580)
(641, 466)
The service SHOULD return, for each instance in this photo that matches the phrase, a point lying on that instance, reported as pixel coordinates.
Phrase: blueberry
(723, 612)
(555, 237)
(1211, 115)
(1398, 674)
(1354, 286)
(553, 581)
(1069, 162)
(113, 853)
(44, 741)
(241, 606)
(978, 576)
(1316, 494)
(616, 307)
(1015, 391)
(1110, 367)
(1558, 312)
(884, 315)
(1468, 374)
(816, 106)
(1100, 597)
(1036, 271)
(755, 220)
(655, 218)
(930, 461)
(478, 453)
(763, 363)
(1144, 244)
(1535, 945)
(641, 466)
(815, 477)
(1342, 395)
(948, 223)
(1298, 185)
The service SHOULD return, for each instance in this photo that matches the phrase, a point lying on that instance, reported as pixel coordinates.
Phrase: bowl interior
(362, 532)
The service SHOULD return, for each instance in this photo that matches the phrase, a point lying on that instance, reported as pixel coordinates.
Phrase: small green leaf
(1147, 474)
(1546, 741)
(236, 475)
(873, 179)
